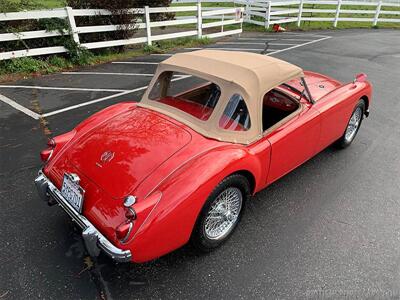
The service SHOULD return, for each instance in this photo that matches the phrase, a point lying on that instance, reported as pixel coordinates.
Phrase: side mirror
(362, 77)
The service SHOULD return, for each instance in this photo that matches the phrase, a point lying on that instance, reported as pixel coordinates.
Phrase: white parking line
(35, 87)
(162, 54)
(255, 43)
(233, 49)
(91, 102)
(279, 38)
(300, 45)
(302, 34)
(104, 98)
(107, 73)
(135, 62)
(19, 107)
(274, 39)
(110, 73)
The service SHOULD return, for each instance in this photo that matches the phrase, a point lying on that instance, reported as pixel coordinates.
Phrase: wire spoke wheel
(354, 124)
(223, 214)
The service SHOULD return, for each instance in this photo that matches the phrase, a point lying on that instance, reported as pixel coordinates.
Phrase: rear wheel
(353, 125)
(221, 213)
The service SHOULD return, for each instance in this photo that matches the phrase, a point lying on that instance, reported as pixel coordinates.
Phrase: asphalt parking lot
(330, 228)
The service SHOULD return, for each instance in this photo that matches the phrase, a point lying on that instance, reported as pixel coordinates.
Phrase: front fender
(184, 193)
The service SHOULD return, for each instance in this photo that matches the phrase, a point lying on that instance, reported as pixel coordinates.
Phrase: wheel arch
(250, 178)
(366, 103)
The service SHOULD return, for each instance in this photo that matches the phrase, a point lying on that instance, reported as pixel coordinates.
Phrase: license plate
(73, 193)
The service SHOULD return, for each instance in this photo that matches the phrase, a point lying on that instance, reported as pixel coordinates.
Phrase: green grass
(35, 4)
(50, 3)
(27, 66)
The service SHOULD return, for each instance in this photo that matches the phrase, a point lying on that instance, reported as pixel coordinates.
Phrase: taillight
(130, 213)
(46, 154)
(51, 143)
(135, 212)
(59, 142)
(122, 232)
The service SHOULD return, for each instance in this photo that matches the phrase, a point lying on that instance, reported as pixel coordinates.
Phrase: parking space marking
(35, 87)
(135, 62)
(294, 41)
(233, 49)
(300, 45)
(162, 54)
(91, 102)
(255, 43)
(303, 34)
(275, 39)
(108, 73)
(104, 98)
(19, 107)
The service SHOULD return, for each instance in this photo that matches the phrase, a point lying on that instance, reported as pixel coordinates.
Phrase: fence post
(267, 14)
(300, 13)
(199, 20)
(339, 4)
(247, 16)
(72, 24)
(378, 11)
(148, 21)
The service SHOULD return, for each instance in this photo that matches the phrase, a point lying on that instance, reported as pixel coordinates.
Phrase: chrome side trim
(93, 238)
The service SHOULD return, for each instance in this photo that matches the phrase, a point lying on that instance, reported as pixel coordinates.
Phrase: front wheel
(353, 126)
(221, 213)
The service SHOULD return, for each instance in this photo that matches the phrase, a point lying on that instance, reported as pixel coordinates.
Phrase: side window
(276, 107)
(236, 116)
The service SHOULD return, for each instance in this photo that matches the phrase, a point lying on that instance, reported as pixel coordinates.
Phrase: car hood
(120, 153)
(320, 85)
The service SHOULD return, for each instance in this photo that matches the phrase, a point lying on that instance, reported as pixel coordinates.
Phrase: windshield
(193, 95)
(298, 87)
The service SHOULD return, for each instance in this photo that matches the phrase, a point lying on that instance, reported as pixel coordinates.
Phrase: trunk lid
(120, 153)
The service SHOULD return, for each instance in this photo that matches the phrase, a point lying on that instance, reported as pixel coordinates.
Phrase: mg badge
(105, 158)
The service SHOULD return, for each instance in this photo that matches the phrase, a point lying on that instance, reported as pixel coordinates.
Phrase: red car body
(172, 169)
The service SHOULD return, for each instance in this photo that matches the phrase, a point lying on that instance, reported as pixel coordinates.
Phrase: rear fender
(184, 193)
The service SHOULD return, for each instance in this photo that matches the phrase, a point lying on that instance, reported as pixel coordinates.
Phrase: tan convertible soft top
(249, 74)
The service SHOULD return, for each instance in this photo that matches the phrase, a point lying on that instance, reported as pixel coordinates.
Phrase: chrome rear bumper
(94, 240)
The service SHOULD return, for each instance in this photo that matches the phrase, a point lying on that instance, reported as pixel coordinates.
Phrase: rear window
(190, 94)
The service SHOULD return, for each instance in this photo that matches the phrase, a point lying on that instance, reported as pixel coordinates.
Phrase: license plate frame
(72, 192)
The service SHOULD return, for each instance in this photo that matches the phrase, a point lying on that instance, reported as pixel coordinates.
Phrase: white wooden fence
(269, 12)
(259, 12)
(227, 16)
(295, 11)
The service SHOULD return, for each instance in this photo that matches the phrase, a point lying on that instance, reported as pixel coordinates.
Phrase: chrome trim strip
(128, 234)
(93, 238)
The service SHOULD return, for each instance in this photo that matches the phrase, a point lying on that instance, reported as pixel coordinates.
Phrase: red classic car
(212, 129)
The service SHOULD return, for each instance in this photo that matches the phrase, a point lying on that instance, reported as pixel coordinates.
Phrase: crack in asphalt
(44, 124)
(98, 280)
(92, 266)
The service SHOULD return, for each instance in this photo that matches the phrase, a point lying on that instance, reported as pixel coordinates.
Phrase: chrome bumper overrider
(94, 240)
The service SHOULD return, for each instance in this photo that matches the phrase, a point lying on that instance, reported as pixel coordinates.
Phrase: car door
(293, 142)
(335, 110)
